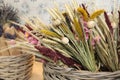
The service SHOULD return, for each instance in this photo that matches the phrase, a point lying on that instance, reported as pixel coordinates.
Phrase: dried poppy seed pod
(65, 40)
(91, 24)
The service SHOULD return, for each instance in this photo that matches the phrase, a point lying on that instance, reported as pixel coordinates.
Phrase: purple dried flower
(55, 55)
(108, 22)
(48, 52)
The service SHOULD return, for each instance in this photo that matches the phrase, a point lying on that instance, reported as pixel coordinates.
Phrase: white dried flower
(57, 22)
(65, 40)
(91, 24)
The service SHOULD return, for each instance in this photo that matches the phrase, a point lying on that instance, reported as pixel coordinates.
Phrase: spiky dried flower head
(8, 13)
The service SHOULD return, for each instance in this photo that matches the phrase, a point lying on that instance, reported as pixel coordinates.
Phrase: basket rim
(76, 70)
(50, 70)
(15, 55)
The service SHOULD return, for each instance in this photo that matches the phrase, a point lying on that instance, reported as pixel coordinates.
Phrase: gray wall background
(32, 8)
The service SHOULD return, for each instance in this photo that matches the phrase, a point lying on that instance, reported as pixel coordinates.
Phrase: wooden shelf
(37, 71)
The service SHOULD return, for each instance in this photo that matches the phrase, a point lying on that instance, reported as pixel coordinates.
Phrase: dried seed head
(65, 40)
(91, 24)
(8, 13)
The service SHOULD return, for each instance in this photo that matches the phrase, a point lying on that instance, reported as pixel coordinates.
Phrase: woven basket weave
(54, 72)
(16, 67)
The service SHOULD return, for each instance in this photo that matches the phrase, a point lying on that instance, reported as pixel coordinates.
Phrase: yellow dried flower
(96, 14)
(50, 33)
(78, 29)
(84, 13)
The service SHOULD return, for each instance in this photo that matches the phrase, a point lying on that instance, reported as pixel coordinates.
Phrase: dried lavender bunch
(8, 13)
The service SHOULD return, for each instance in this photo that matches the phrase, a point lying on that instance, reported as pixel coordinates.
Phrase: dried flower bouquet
(77, 38)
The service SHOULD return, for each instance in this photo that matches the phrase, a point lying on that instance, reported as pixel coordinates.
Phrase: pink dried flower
(87, 36)
(97, 38)
(34, 42)
(87, 31)
(30, 39)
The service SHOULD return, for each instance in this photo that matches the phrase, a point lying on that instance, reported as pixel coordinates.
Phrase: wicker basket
(16, 67)
(54, 72)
